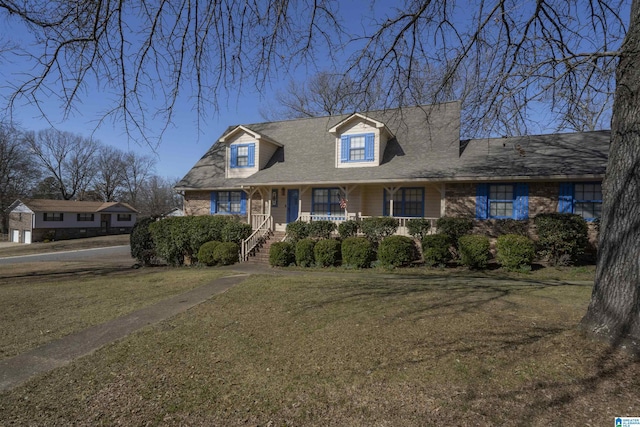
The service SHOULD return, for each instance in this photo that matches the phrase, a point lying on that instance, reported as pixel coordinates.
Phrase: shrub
(206, 253)
(562, 238)
(435, 249)
(357, 252)
(474, 250)
(327, 252)
(511, 226)
(348, 228)
(419, 227)
(377, 228)
(171, 239)
(204, 228)
(143, 248)
(304, 253)
(321, 229)
(297, 230)
(226, 253)
(515, 252)
(281, 254)
(236, 232)
(397, 251)
(454, 228)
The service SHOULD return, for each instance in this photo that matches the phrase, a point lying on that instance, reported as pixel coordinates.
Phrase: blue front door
(292, 206)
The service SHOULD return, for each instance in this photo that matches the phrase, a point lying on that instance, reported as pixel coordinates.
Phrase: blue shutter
(521, 203)
(565, 198)
(251, 162)
(482, 194)
(243, 203)
(214, 202)
(344, 148)
(369, 147)
(234, 156)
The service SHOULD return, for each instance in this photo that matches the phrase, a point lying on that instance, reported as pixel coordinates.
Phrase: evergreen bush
(327, 253)
(562, 237)
(206, 253)
(419, 227)
(281, 254)
(297, 230)
(435, 249)
(377, 228)
(236, 231)
(357, 252)
(348, 228)
(226, 253)
(397, 251)
(321, 229)
(515, 252)
(454, 228)
(474, 250)
(304, 253)
(141, 242)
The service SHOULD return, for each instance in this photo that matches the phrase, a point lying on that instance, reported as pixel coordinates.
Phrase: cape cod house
(35, 220)
(404, 163)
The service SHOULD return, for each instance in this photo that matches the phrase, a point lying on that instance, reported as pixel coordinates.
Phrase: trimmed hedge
(397, 251)
(297, 230)
(327, 253)
(454, 228)
(143, 248)
(321, 229)
(377, 228)
(304, 253)
(562, 238)
(419, 227)
(474, 250)
(357, 252)
(206, 253)
(226, 253)
(515, 252)
(435, 249)
(236, 232)
(281, 254)
(348, 228)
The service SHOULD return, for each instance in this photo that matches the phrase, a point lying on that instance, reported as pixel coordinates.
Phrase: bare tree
(110, 173)
(17, 170)
(67, 157)
(137, 169)
(513, 57)
(157, 196)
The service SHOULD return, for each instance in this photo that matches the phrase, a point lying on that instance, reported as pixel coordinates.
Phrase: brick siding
(197, 203)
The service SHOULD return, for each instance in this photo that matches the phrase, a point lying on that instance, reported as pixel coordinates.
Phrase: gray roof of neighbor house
(425, 146)
(47, 205)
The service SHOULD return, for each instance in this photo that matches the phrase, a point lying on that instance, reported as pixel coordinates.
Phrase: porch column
(392, 192)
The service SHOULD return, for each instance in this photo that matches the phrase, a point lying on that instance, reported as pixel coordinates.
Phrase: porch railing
(402, 221)
(259, 235)
(402, 224)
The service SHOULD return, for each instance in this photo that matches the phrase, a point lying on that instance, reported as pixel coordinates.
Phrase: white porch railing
(402, 221)
(333, 218)
(260, 233)
(257, 220)
(402, 224)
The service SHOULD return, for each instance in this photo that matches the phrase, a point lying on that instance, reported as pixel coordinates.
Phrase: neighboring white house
(35, 220)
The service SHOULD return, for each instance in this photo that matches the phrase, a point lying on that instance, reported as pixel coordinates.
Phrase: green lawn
(351, 349)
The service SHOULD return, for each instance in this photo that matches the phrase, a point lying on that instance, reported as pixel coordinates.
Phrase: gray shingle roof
(426, 146)
(47, 205)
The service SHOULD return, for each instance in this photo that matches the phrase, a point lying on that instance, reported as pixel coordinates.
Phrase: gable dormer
(360, 141)
(247, 151)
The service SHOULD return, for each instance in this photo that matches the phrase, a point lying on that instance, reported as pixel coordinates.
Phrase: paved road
(96, 254)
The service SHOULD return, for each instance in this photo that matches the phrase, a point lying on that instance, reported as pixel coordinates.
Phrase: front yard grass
(40, 302)
(351, 349)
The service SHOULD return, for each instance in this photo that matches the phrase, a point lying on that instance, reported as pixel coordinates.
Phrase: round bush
(474, 250)
(206, 253)
(297, 230)
(435, 249)
(304, 253)
(348, 228)
(226, 253)
(281, 254)
(515, 251)
(397, 251)
(562, 237)
(357, 252)
(419, 227)
(454, 228)
(321, 229)
(377, 228)
(236, 232)
(327, 252)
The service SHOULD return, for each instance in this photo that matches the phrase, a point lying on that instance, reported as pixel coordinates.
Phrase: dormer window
(358, 148)
(243, 155)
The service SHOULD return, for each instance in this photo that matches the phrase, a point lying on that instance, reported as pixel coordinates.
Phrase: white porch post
(392, 192)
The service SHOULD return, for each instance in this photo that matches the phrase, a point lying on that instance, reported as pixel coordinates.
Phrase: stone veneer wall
(197, 202)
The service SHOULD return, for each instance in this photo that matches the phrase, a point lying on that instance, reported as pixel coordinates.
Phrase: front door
(292, 205)
(105, 220)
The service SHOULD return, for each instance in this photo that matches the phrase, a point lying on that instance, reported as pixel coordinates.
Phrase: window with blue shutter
(243, 155)
(502, 201)
(521, 205)
(581, 198)
(229, 202)
(482, 193)
(565, 198)
(357, 148)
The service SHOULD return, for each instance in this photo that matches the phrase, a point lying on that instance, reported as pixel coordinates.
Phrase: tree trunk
(614, 311)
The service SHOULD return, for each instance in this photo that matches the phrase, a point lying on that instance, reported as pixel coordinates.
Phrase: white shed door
(27, 236)
(15, 236)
